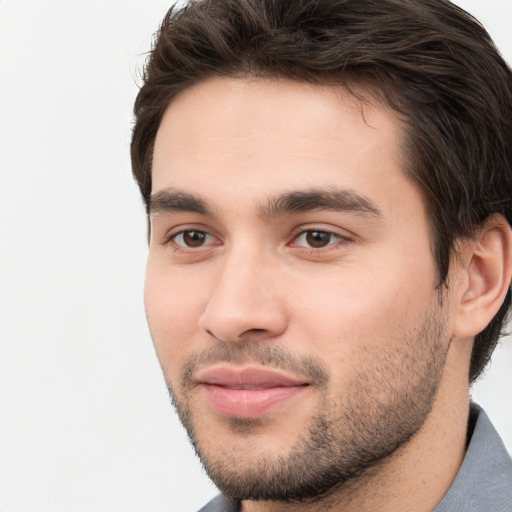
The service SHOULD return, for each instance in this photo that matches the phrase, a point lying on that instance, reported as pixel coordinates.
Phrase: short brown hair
(427, 59)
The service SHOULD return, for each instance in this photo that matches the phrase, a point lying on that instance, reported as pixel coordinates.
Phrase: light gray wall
(85, 422)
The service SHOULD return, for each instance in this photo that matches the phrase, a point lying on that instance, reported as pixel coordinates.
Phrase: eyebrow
(170, 201)
(346, 200)
(319, 199)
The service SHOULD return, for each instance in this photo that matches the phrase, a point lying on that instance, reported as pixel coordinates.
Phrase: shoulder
(484, 481)
(220, 504)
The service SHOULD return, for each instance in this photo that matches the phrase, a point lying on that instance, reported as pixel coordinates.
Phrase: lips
(248, 392)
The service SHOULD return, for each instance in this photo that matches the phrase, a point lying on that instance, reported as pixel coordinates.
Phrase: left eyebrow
(344, 200)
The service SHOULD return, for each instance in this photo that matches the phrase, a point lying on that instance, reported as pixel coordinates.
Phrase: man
(329, 190)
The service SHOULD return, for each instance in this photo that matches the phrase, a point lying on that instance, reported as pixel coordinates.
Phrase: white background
(85, 421)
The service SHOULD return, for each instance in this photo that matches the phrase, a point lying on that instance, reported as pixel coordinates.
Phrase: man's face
(290, 286)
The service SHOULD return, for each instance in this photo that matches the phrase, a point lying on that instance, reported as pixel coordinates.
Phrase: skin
(363, 308)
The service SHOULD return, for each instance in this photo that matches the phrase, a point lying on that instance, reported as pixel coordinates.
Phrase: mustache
(255, 353)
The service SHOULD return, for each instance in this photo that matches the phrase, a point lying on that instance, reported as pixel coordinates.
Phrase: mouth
(248, 392)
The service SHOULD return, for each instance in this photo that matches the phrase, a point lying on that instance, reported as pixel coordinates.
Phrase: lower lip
(249, 403)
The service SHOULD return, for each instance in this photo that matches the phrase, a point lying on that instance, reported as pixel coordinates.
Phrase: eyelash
(333, 239)
(171, 240)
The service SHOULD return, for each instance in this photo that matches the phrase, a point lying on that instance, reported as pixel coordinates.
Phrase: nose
(244, 302)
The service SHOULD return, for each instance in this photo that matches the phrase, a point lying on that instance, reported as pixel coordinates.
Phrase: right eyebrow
(170, 201)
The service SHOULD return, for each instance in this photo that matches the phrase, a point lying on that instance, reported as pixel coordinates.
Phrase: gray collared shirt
(483, 483)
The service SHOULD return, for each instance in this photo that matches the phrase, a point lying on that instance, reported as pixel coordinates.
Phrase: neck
(417, 475)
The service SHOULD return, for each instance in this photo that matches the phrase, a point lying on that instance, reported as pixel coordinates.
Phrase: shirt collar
(484, 481)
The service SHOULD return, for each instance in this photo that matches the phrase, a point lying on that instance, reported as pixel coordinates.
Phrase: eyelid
(331, 230)
(334, 240)
(184, 245)
(173, 233)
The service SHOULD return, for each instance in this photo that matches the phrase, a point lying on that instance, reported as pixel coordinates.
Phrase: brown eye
(192, 238)
(318, 239)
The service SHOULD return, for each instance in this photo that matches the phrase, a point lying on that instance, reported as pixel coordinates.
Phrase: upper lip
(248, 377)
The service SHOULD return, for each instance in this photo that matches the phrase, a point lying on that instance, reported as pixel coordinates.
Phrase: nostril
(230, 319)
(253, 334)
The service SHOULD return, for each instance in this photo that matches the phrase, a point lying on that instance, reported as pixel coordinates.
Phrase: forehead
(258, 136)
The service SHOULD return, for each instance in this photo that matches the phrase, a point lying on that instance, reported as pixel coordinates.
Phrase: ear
(487, 272)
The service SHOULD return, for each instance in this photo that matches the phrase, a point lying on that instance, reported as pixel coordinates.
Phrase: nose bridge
(243, 298)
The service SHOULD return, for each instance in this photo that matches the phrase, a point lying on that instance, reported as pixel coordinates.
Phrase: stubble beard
(381, 409)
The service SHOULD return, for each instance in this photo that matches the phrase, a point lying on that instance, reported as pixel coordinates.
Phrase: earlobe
(487, 262)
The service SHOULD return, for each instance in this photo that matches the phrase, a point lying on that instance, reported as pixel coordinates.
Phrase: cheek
(355, 310)
(173, 302)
